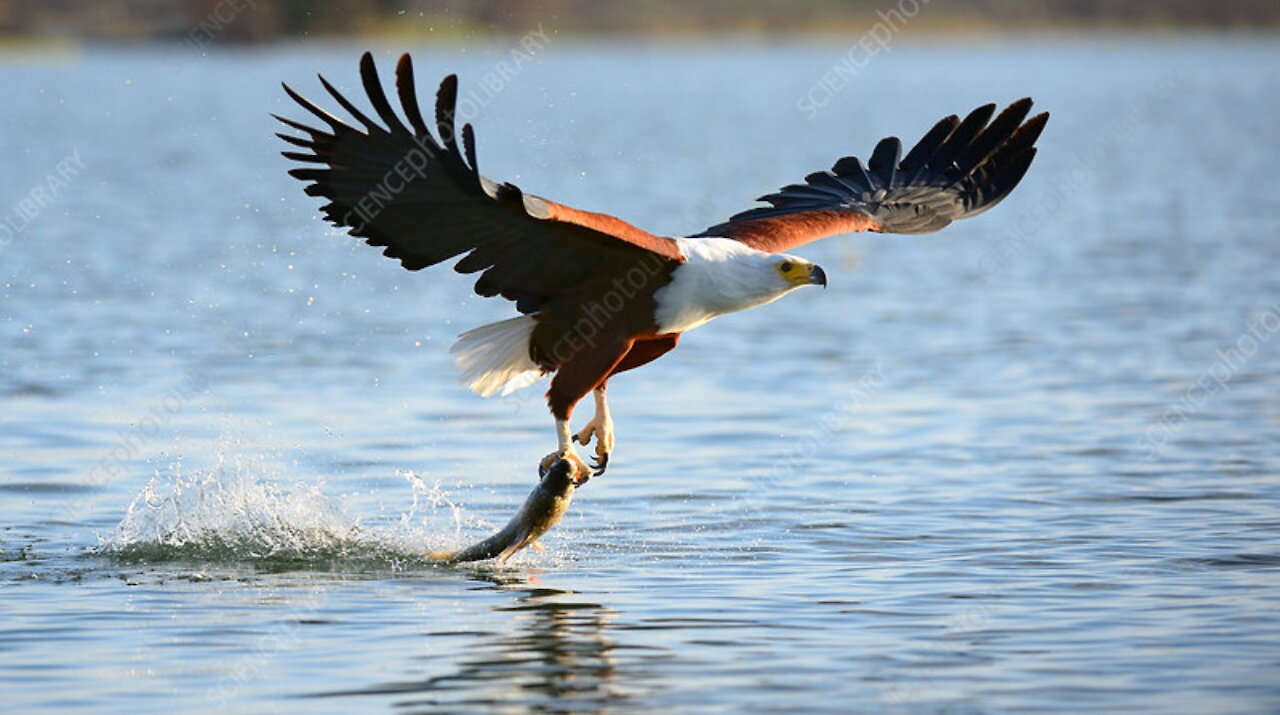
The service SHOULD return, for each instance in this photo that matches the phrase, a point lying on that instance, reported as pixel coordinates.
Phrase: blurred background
(1028, 463)
(277, 19)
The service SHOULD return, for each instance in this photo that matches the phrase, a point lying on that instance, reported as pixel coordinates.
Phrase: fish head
(563, 476)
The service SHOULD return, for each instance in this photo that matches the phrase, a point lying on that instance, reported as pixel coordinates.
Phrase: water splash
(236, 513)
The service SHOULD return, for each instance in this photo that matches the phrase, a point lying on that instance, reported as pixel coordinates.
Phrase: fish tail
(522, 538)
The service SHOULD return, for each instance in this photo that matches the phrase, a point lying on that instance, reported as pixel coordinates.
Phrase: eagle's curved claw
(601, 463)
(601, 428)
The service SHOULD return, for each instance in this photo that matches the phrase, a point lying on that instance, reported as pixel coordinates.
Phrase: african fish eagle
(595, 295)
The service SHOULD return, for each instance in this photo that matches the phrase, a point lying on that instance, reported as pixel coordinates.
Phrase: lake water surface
(1029, 463)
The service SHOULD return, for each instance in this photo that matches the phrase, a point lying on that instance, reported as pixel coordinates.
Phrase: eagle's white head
(721, 275)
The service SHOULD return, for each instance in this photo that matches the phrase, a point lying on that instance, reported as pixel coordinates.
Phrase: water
(1029, 463)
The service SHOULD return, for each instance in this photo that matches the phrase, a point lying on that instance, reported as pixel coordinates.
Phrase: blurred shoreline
(71, 50)
(31, 24)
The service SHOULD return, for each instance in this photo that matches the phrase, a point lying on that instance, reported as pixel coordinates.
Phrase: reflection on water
(1004, 468)
(555, 654)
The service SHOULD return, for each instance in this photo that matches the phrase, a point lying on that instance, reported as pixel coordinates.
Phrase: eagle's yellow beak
(817, 276)
(799, 273)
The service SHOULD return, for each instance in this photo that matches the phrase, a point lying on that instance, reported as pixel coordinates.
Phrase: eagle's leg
(583, 372)
(601, 427)
(564, 450)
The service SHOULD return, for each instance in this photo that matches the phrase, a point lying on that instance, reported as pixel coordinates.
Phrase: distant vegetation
(256, 21)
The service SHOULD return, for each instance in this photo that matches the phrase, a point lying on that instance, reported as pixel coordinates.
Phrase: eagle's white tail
(495, 357)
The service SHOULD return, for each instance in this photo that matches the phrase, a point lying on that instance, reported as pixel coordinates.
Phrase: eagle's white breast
(719, 275)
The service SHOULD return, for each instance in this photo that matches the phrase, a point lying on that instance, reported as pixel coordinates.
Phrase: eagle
(595, 296)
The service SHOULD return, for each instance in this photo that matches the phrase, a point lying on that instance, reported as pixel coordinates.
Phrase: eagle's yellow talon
(601, 429)
(577, 465)
(546, 463)
(602, 462)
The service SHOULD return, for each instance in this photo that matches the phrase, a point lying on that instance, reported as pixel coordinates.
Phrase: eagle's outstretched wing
(422, 199)
(959, 169)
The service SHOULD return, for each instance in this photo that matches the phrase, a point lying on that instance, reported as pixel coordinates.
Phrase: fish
(543, 509)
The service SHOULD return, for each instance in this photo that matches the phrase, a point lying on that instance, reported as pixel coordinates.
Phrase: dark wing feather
(959, 168)
(423, 201)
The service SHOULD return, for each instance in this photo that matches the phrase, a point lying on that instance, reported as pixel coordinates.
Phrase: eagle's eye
(786, 267)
